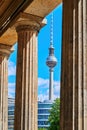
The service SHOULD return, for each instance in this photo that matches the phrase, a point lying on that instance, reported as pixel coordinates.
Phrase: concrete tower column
(27, 78)
(74, 66)
(51, 84)
(4, 54)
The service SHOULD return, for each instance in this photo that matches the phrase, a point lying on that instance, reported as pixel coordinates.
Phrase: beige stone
(74, 66)
(26, 81)
(4, 54)
(9, 11)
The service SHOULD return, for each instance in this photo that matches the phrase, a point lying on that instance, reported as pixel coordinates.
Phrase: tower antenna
(51, 31)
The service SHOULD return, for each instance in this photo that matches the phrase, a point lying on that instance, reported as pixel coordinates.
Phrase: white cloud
(56, 87)
(10, 95)
(44, 84)
(11, 85)
(11, 89)
(11, 68)
(43, 97)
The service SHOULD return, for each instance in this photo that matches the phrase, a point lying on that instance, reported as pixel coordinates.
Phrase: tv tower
(51, 61)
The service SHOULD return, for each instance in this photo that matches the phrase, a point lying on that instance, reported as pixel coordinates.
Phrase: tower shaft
(51, 84)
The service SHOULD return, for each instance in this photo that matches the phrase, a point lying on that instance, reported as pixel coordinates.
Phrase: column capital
(28, 22)
(5, 50)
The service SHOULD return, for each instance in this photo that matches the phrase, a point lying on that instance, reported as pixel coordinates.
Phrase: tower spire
(51, 31)
(51, 61)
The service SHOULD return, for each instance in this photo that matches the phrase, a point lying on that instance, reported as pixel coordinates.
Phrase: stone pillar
(74, 66)
(4, 54)
(27, 78)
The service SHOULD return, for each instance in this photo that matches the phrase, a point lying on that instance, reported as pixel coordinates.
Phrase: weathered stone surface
(74, 66)
(4, 54)
(26, 81)
(10, 36)
(9, 11)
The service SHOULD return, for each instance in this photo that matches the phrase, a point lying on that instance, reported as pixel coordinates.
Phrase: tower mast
(51, 61)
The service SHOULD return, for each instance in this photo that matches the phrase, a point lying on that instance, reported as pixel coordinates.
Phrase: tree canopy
(54, 115)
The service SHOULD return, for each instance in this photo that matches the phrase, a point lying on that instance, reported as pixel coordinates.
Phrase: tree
(54, 115)
(42, 129)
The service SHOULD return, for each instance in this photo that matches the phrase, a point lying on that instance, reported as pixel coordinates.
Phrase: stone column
(4, 54)
(74, 66)
(27, 78)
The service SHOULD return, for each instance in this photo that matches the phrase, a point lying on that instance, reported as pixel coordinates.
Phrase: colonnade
(73, 108)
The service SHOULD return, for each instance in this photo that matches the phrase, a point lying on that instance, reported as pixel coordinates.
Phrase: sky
(43, 52)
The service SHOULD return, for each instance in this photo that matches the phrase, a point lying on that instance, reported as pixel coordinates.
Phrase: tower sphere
(51, 61)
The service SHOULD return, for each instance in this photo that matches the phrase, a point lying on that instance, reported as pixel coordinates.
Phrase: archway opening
(43, 70)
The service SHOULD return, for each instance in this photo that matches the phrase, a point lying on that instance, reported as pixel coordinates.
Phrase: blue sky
(43, 70)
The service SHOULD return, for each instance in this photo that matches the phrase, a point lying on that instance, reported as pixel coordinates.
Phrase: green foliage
(42, 129)
(55, 115)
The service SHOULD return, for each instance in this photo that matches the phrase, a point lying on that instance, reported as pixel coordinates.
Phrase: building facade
(11, 107)
(43, 113)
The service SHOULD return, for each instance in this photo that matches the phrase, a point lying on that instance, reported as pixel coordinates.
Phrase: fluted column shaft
(4, 54)
(74, 66)
(26, 81)
(4, 93)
